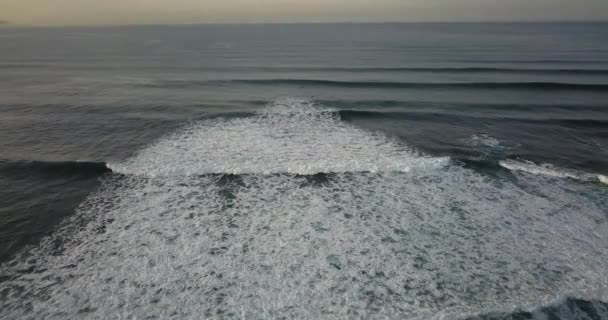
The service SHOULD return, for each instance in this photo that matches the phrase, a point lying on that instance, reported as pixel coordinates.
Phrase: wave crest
(550, 170)
(535, 86)
(291, 136)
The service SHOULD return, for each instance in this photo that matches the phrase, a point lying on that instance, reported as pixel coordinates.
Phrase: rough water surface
(373, 239)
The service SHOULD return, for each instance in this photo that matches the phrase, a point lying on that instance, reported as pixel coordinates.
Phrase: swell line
(544, 86)
(434, 116)
(345, 69)
(8, 167)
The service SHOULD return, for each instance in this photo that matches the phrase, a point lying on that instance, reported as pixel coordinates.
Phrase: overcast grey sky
(109, 12)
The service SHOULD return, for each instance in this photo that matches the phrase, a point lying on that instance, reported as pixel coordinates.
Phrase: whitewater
(293, 213)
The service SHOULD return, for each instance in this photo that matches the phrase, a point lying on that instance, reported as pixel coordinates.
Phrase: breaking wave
(550, 170)
(293, 213)
(291, 136)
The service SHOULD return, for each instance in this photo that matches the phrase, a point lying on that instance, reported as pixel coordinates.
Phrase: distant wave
(544, 86)
(533, 61)
(362, 104)
(441, 70)
(577, 71)
(26, 167)
(345, 69)
(440, 116)
(22, 65)
(503, 70)
(320, 68)
(350, 107)
(456, 85)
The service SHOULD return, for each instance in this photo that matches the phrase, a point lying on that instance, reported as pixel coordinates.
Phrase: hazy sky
(108, 12)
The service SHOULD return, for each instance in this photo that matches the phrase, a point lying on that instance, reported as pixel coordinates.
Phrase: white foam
(399, 245)
(603, 179)
(421, 244)
(291, 136)
(484, 140)
(547, 170)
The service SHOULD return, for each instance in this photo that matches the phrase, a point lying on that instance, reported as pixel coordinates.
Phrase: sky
(124, 12)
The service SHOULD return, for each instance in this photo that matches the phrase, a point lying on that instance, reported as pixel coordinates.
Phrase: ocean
(318, 171)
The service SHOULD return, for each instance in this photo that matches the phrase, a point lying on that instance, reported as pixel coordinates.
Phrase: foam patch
(441, 242)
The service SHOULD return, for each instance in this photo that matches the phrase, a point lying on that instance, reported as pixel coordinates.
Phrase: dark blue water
(305, 171)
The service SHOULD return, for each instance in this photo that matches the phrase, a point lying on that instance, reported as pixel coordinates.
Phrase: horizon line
(18, 25)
